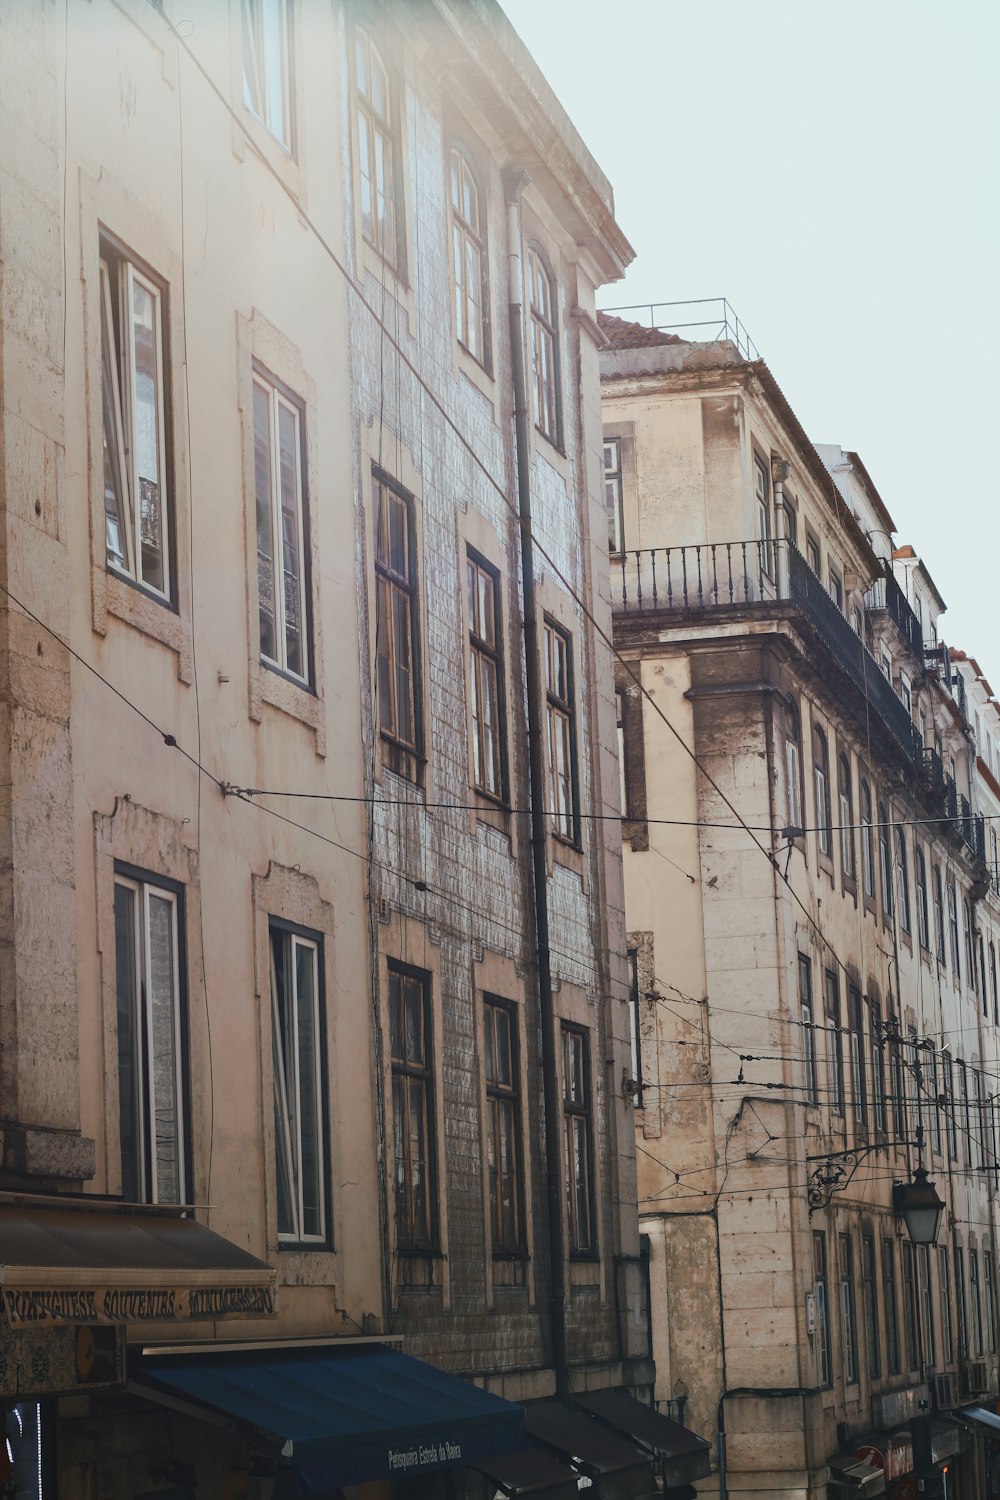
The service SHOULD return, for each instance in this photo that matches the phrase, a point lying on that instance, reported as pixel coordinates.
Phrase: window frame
(303, 937)
(404, 757)
(498, 1094)
(484, 656)
(821, 794)
(564, 823)
(581, 1238)
(280, 399)
(869, 876)
(409, 1241)
(370, 126)
(859, 1082)
(911, 1309)
(923, 914)
(466, 235)
(614, 502)
(885, 862)
(543, 336)
(956, 957)
(869, 1289)
(808, 1023)
(253, 34)
(835, 1047)
(902, 880)
(940, 949)
(821, 1292)
(142, 883)
(947, 1319)
(845, 794)
(848, 1309)
(893, 1348)
(117, 363)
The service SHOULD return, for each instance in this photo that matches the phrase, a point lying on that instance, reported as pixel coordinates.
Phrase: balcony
(886, 594)
(724, 576)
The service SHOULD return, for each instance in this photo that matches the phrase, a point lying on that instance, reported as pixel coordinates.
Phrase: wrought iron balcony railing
(886, 594)
(731, 575)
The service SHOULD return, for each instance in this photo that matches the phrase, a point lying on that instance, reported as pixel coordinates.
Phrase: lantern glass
(919, 1206)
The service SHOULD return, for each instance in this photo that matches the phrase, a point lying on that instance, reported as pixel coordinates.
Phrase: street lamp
(920, 1207)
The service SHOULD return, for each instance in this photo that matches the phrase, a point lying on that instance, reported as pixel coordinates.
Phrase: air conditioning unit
(944, 1392)
(978, 1376)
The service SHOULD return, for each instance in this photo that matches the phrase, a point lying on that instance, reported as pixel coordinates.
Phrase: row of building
(368, 1124)
(811, 891)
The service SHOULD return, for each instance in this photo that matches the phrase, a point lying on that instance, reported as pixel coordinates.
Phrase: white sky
(832, 169)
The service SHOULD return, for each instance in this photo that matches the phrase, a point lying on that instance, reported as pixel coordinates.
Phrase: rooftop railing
(702, 320)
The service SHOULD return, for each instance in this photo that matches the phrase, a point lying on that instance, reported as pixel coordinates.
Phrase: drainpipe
(514, 183)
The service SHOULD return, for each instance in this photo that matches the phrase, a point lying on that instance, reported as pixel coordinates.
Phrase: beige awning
(86, 1260)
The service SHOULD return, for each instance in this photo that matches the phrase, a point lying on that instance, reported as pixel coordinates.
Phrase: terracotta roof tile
(624, 335)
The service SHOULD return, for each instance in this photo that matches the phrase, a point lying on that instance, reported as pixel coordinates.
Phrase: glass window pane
(267, 602)
(147, 399)
(128, 986)
(162, 1020)
(310, 1107)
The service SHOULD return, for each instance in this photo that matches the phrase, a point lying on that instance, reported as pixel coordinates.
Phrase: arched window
(846, 817)
(956, 957)
(544, 359)
(867, 841)
(923, 924)
(885, 860)
(821, 788)
(902, 879)
(468, 241)
(377, 155)
(938, 917)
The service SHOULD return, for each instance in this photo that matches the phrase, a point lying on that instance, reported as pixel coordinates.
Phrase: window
(812, 554)
(885, 861)
(899, 1092)
(938, 916)
(981, 975)
(762, 491)
(376, 149)
(503, 1127)
(846, 798)
(977, 1301)
(867, 842)
(885, 662)
(821, 784)
(923, 922)
(623, 778)
(614, 495)
(468, 239)
(956, 961)
(412, 1107)
(544, 366)
(944, 1288)
(950, 1106)
(134, 401)
(808, 1028)
(869, 1293)
(934, 1103)
(793, 779)
(635, 1024)
(835, 1050)
(397, 651)
(151, 1084)
(267, 65)
(561, 733)
(926, 1303)
(889, 1302)
(837, 590)
(970, 957)
(906, 693)
(298, 1061)
(821, 1288)
(486, 691)
(910, 1324)
(858, 1081)
(578, 1140)
(988, 1293)
(848, 1315)
(993, 982)
(281, 547)
(961, 1306)
(878, 1070)
(963, 1119)
(902, 879)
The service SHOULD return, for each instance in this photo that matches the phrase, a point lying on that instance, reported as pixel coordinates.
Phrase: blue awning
(342, 1416)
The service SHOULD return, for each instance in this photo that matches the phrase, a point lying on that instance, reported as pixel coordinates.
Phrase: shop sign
(896, 1458)
(406, 1460)
(37, 1362)
(27, 1306)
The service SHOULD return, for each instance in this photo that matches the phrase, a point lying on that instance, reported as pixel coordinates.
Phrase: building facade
(306, 729)
(810, 927)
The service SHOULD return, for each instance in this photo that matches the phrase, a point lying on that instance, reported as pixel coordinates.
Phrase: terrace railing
(886, 594)
(733, 575)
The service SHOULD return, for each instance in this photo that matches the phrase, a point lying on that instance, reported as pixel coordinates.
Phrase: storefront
(892, 1455)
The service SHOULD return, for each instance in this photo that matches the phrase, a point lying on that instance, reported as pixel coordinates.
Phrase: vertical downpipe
(513, 185)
